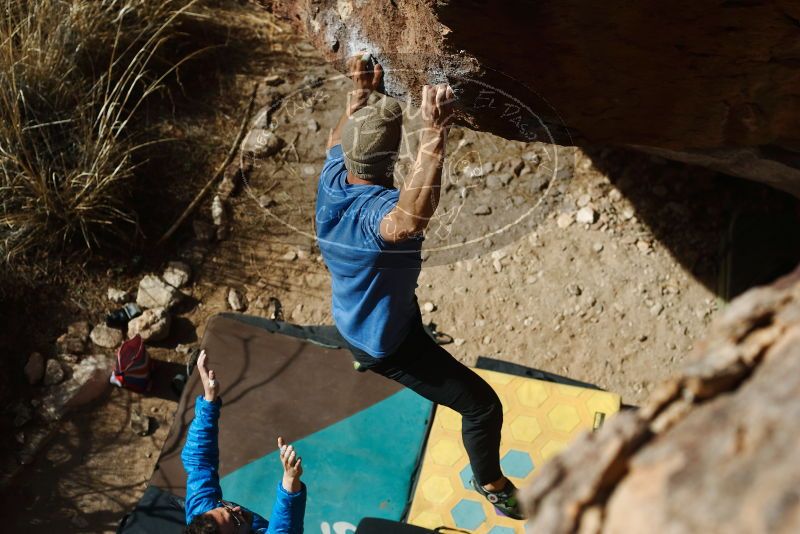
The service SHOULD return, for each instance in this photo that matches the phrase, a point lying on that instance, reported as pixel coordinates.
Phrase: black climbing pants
(426, 368)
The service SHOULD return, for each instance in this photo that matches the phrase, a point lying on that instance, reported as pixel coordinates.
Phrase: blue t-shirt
(373, 281)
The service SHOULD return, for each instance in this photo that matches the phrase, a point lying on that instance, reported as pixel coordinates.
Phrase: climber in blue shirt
(206, 511)
(370, 234)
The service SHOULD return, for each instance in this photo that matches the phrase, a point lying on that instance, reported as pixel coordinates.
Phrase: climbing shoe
(505, 501)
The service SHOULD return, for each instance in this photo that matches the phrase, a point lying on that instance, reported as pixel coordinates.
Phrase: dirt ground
(509, 274)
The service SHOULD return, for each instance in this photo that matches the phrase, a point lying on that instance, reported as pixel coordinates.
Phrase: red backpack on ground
(134, 366)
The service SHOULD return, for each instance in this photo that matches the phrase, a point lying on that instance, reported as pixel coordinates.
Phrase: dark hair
(201, 524)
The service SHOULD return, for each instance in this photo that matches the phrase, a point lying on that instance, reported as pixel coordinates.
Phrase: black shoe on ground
(121, 317)
(505, 500)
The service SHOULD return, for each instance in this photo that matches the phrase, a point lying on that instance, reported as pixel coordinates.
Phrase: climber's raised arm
(420, 196)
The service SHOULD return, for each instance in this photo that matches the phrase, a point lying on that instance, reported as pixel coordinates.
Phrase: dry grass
(74, 76)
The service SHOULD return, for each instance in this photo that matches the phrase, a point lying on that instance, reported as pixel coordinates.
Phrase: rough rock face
(717, 84)
(88, 381)
(713, 450)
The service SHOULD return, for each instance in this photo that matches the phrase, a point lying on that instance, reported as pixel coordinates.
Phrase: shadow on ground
(730, 233)
(72, 485)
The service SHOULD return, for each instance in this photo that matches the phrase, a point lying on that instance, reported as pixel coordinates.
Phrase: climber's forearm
(420, 196)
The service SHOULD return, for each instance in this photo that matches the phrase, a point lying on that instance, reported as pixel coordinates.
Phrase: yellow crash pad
(539, 419)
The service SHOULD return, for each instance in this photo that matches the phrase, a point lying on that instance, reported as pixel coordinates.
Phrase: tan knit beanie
(371, 139)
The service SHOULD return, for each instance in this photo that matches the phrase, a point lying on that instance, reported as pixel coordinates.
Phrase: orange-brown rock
(711, 83)
(715, 449)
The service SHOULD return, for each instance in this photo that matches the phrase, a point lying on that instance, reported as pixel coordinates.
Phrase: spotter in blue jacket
(200, 458)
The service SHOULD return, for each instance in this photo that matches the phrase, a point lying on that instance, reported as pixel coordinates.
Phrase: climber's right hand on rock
(365, 80)
(437, 105)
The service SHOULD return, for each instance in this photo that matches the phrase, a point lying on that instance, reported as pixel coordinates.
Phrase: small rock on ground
(141, 424)
(236, 300)
(564, 220)
(154, 292)
(182, 348)
(152, 325)
(177, 273)
(218, 214)
(117, 296)
(262, 143)
(53, 373)
(76, 338)
(266, 201)
(106, 337)
(586, 215)
(574, 290)
(89, 380)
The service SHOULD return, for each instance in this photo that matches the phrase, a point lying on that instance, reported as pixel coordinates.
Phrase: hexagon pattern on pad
(540, 418)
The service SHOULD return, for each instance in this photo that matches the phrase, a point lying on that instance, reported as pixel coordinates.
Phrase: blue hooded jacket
(200, 458)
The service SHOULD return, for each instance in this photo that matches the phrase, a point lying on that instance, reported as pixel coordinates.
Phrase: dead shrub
(74, 76)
